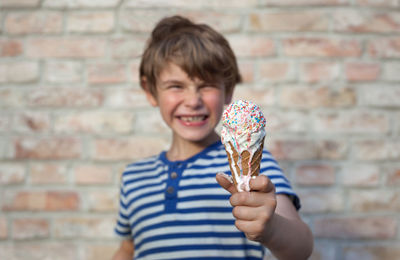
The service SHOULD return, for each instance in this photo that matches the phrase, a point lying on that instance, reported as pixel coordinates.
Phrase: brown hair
(196, 48)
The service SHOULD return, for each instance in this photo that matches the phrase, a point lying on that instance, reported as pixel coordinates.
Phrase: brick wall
(326, 72)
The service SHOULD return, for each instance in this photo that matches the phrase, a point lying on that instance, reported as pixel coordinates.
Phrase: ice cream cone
(252, 167)
(244, 166)
(243, 134)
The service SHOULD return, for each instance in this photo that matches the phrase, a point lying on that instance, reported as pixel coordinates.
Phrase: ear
(152, 100)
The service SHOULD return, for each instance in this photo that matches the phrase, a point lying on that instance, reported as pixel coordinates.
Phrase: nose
(193, 98)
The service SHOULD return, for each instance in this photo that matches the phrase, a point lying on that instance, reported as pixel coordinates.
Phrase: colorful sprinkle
(243, 116)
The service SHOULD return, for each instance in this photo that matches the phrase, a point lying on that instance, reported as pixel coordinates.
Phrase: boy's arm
(287, 237)
(269, 219)
(125, 251)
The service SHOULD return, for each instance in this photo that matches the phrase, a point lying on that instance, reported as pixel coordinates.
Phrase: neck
(182, 149)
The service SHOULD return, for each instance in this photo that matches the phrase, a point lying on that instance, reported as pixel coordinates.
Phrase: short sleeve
(123, 228)
(269, 167)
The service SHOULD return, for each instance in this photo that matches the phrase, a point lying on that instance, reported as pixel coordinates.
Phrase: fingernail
(226, 176)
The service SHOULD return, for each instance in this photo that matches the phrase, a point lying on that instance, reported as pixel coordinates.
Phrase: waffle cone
(252, 168)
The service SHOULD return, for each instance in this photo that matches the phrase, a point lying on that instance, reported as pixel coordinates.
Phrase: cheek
(168, 104)
(215, 101)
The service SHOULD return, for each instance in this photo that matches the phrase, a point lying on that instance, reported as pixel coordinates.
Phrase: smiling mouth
(191, 119)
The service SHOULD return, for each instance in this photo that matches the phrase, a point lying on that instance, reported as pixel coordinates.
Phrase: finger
(225, 181)
(252, 229)
(262, 184)
(251, 199)
(244, 213)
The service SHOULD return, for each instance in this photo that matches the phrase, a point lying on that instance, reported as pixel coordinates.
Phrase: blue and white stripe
(187, 217)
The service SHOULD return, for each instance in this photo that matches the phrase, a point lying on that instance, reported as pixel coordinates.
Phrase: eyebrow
(171, 81)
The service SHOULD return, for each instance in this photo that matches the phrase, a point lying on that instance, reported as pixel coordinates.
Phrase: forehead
(172, 72)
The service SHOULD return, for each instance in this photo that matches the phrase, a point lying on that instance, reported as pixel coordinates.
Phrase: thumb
(226, 182)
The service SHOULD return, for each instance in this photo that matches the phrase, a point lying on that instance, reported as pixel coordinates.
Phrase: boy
(171, 205)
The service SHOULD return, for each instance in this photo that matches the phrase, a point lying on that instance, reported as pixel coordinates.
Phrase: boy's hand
(253, 210)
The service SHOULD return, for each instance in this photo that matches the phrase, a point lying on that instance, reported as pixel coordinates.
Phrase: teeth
(192, 118)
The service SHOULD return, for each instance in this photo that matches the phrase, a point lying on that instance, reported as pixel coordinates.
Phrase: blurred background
(72, 115)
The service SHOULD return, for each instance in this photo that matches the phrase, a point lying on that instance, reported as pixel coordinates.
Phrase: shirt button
(174, 175)
(170, 190)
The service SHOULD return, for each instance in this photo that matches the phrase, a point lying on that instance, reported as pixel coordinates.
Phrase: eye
(174, 87)
(209, 85)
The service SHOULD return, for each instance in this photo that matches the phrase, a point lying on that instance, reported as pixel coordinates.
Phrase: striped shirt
(177, 210)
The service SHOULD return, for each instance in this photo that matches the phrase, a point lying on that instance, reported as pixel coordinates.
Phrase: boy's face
(191, 107)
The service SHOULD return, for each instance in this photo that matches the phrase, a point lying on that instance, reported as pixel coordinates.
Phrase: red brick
(19, 72)
(11, 98)
(321, 201)
(39, 250)
(286, 122)
(371, 252)
(48, 173)
(106, 73)
(65, 97)
(29, 228)
(288, 21)
(134, 72)
(99, 251)
(261, 96)
(91, 22)
(127, 148)
(31, 122)
(304, 2)
(221, 21)
(315, 175)
(295, 149)
(388, 47)
(93, 174)
(321, 47)
(363, 22)
(73, 47)
(80, 3)
(298, 149)
(151, 122)
(47, 148)
(275, 71)
(362, 71)
(94, 122)
(362, 122)
(323, 251)
(361, 175)
(41, 201)
(103, 201)
(391, 71)
(375, 201)
(5, 122)
(3, 229)
(126, 98)
(314, 97)
(12, 173)
(247, 70)
(127, 47)
(393, 175)
(374, 227)
(332, 149)
(191, 4)
(34, 23)
(371, 150)
(140, 20)
(84, 227)
(380, 96)
(10, 48)
(63, 72)
(313, 72)
(252, 46)
(20, 3)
